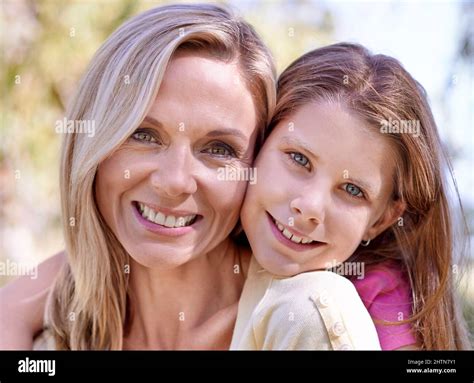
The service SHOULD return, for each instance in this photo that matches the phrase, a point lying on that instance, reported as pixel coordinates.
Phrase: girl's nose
(309, 207)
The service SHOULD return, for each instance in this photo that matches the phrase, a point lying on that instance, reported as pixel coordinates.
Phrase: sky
(424, 36)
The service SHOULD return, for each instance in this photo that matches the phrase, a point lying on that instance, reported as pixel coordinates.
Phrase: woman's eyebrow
(227, 132)
(153, 121)
(213, 133)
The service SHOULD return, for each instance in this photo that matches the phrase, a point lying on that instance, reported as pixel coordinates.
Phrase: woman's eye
(353, 190)
(300, 159)
(144, 136)
(220, 150)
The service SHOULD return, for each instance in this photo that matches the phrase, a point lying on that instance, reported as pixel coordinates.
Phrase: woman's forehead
(201, 92)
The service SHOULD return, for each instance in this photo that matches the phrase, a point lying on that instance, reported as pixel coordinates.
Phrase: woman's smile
(164, 221)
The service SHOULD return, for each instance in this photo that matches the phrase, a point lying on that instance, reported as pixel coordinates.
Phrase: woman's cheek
(126, 165)
(227, 196)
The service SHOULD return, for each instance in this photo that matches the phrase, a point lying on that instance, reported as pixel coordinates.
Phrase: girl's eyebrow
(293, 141)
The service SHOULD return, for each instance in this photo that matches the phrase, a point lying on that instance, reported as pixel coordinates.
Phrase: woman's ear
(392, 213)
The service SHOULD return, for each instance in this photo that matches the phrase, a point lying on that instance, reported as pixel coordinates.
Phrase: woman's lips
(287, 242)
(161, 229)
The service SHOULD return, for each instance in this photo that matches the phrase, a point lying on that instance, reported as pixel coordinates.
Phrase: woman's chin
(159, 258)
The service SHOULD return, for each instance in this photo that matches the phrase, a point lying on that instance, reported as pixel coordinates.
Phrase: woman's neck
(190, 306)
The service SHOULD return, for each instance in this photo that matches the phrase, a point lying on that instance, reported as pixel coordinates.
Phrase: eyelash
(153, 139)
(149, 132)
(292, 157)
(230, 150)
(352, 195)
(295, 162)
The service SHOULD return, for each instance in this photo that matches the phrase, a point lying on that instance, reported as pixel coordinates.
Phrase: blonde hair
(89, 301)
(377, 88)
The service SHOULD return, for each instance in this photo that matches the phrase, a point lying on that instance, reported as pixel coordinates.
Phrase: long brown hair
(378, 89)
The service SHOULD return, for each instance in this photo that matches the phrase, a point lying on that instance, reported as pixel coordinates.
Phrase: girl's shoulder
(386, 293)
(388, 279)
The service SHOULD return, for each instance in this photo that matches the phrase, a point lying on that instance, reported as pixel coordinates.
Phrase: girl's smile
(320, 191)
(288, 236)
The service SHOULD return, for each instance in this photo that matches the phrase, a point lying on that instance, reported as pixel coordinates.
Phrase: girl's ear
(392, 213)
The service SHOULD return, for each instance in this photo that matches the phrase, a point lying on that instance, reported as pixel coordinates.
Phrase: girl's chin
(278, 264)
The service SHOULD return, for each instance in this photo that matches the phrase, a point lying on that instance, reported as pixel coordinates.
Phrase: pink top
(386, 294)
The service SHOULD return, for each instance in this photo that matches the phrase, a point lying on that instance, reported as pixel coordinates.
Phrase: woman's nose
(174, 175)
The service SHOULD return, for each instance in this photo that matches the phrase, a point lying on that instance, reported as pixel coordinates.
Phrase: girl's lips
(292, 245)
(163, 230)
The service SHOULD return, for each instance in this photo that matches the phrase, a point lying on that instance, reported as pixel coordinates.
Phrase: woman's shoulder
(25, 299)
(26, 289)
(44, 341)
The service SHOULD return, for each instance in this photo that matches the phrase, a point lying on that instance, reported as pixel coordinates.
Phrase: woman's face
(160, 192)
(324, 184)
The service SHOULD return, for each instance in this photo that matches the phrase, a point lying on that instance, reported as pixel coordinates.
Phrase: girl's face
(324, 184)
(160, 192)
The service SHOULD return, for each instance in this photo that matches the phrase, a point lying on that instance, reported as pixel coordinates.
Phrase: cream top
(317, 310)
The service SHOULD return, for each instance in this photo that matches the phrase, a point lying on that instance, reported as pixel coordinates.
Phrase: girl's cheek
(350, 224)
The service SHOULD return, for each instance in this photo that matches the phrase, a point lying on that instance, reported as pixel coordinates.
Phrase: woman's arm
(22, 305)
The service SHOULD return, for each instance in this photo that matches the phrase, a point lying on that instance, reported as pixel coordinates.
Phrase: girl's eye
(144, 136)
(300, 159)
(220, 150)
(353, 190)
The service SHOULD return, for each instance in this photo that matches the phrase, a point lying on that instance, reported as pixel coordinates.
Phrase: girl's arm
(22, 305)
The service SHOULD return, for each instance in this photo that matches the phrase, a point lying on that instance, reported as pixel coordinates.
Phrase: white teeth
(164, 220)
(170, 220)
(160, 218)
(287, 234)
(296, 239)
(151, 215)
(290, 236)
